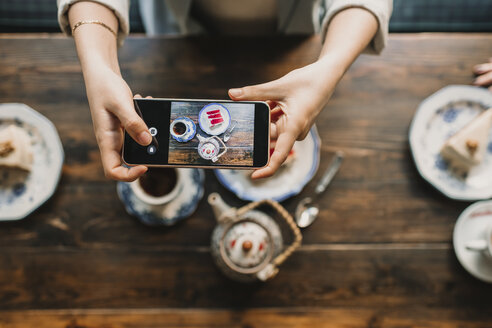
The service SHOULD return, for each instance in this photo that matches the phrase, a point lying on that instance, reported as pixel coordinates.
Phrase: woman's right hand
(112, 110)
(484, 72)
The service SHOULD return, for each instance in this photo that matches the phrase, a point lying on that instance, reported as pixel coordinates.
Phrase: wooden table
(380, 255)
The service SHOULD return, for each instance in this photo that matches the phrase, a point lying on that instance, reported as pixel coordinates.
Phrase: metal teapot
(247, 244)
(209, 148)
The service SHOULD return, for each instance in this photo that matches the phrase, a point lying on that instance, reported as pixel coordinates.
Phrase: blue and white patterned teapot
(209, 148)
(247, 244)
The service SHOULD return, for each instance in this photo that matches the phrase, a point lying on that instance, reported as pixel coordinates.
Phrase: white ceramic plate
(204, 121)
(288, 181)
(471, 225)
(22, 192)
(438, 117)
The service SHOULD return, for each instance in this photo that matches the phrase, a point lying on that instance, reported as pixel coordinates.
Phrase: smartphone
(202, 133)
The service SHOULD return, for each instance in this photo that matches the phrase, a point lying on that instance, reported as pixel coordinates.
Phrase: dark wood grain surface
(380, 254)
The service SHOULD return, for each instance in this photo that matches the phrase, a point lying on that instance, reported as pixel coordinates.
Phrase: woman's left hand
(295, 101)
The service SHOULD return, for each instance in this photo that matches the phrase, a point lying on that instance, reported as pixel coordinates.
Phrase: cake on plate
(15, 148)
(468, 146)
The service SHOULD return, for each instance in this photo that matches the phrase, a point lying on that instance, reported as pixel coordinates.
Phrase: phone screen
(202, 133)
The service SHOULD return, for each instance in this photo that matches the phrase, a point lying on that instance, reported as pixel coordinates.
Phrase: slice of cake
(467, 147)
(15, 148)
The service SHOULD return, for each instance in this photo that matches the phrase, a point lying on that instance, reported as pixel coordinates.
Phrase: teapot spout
(220, 208)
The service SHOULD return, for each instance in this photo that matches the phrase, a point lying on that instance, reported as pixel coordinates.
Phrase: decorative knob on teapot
(247, 245)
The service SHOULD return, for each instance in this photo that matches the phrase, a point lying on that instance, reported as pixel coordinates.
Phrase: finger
(484, 79)
(273, 131)
(133, 124)
(275, 114)
(113, 169)
(285, 142)
(303, 135)
(121, 173)
(266, 91)
(482, 68)
(272, 104)
(139, 96)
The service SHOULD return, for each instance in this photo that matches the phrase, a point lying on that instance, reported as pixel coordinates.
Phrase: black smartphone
(202, 133)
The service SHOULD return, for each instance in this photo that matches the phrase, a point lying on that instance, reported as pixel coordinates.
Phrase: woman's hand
(110, 98)
(295, 101)
(484, 72)
(111, 104)
(298, 97)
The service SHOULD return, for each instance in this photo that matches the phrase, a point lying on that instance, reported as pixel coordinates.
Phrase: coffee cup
(158, 186)
(182, 129)
(483, 245)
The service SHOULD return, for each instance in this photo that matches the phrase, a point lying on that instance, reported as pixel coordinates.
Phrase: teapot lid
(208, 150)
(247, 245)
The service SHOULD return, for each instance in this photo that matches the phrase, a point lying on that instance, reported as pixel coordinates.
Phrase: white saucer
(471, 225)
(288, 181)
(438, 117)
(23, 192)
(188, 135)
(168, 214)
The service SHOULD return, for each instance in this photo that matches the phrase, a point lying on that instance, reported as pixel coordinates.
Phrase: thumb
(265, 91)
(134, 125)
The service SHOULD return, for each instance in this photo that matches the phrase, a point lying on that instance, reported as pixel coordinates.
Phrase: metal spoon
(228, 133)
(306, 210)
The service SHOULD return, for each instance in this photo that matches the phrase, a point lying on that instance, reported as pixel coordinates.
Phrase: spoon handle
(329, 173)
(228, 133)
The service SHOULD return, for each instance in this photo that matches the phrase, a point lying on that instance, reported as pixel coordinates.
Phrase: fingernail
(236, 92)
(144, 137)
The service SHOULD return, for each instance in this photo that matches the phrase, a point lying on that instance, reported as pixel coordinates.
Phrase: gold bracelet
(94, 22)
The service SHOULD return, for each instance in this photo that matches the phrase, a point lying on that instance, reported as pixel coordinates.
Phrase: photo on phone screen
(201, 133)
(215, 121)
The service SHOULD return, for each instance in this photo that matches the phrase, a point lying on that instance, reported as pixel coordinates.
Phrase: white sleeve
(120, 8)
(325, 10)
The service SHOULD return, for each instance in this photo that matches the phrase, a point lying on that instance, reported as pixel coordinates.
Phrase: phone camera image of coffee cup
(179, 128)
(182, 129)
